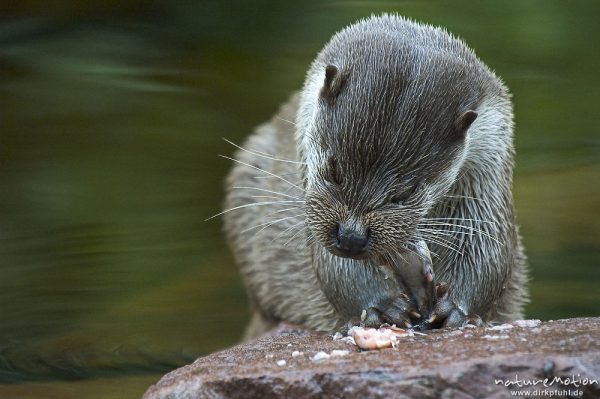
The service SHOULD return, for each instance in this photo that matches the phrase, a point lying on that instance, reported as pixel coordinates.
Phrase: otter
(398, 146)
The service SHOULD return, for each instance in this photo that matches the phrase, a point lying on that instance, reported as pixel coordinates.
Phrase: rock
(444, 364)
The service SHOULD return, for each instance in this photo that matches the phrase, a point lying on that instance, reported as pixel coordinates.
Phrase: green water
(111, 118)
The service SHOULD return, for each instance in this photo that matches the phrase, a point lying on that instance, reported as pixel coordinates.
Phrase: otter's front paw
(397, 311)
(445, 313)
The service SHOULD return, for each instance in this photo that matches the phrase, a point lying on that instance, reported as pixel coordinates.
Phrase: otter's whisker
(413, 251)
(401, 256)
(294, 236)
(267, 191)
(311, 238)
(466, 197)
(442, 236)
(265, 196)
(440, 240)
(461, 219)
(300, 243)
(251, 205)
(417, 254)
(283, 210)
(285, 120)
(252, 151)
(396, 252)
(386, 260)
(432, 241)
(455, 234)
(433, 223)
(445, 233)
(270, 177)
(262, 170)
(263, 154)
(441, 243)
(267, 224)
(434, 254)
(284, 232)
(448, 234)
(470, 228)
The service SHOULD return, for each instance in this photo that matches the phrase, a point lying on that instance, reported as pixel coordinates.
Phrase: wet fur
(391, 127)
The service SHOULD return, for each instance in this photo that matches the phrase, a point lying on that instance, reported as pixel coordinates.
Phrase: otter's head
(383, 129)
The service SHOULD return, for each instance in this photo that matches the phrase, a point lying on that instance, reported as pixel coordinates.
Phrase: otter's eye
(403, 196)
(399, 198)
(334, 171)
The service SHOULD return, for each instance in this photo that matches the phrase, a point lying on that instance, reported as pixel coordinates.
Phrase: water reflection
(110, 127)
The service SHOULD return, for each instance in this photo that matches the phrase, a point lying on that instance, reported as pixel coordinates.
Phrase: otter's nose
(350, 240)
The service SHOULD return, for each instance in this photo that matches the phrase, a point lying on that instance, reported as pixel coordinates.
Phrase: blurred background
(111, 119)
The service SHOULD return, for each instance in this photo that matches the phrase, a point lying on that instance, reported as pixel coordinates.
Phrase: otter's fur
(401, 133)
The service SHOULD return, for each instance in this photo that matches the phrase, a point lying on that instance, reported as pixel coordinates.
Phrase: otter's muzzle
(350, 240)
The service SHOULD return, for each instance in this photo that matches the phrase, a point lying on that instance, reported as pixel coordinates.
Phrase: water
(111, 120)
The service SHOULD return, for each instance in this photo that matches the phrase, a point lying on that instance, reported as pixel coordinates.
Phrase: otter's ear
(463, 123)
(334, 81)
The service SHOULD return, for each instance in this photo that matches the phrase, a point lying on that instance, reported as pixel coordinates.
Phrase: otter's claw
(446, 313)
(398, 311)
(439, 309)
(424, 305)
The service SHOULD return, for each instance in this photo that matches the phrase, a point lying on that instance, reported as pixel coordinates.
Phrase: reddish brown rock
(468, 363)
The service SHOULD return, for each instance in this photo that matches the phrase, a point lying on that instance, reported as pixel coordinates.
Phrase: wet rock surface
(467, 363)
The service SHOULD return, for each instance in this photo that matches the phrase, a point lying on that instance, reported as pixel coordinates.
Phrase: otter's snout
(350, 240)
